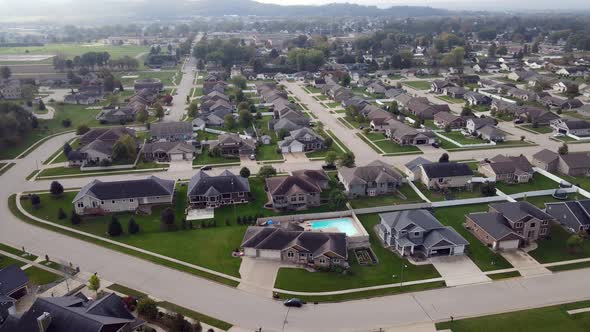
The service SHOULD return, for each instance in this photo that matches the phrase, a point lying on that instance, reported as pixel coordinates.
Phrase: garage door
(269, 254)
(508, 245)
(176, 156)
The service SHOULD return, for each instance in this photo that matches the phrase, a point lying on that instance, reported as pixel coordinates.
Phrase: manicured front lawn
(481, 255)
(548, 319)
(205, 159)
(72, 49)
(7, 261)
(268, 152)
(40, 277)
(313, 89)
(419, 85)
(538, 130)
(333, 105)
(539, 182)
(59, 171)
(451, 99)
(355, 123)
(165, 76)
(360, 276)
(465, 140)
(555, 249)
(389, 146)
(390, 199)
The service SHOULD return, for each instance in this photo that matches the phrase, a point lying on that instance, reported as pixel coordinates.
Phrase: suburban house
(509, 225)
(438, 86)
(13, 284)
(404, 135)
(86, 95)
(97, 145)
(10, 89)
(423, 109)
(456, 92)
(377, 178)
(152, 84)
(171, 131)
(444, 119)
(445, 175)
(98, 197)
(206, 191)
(486, 127)
(232, 145)
(536, 115)
(561, 103)
(573, 215)
(168, 151)
(580, 128)
(298, 191)
(572, 164)
(521, 75)
(118, 115)
(302, 140)
(75, 313)
(563, 86)
(320, 249)
(572, 71)
(512, 169)
(476, 98)
(419, 233)
(412, 168)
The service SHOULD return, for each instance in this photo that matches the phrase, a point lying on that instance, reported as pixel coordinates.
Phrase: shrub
(35, 201)
(61, 214)
(115, 228)
(147, 308)
(66, 123)
(132, 227)
(56, 189)
(245, 172)
(82, 129)
(75, 218)
(167, 220)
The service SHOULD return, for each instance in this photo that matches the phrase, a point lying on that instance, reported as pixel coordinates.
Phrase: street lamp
(401, 283)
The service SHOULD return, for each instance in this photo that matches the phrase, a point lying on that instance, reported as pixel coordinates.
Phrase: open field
(71, 50)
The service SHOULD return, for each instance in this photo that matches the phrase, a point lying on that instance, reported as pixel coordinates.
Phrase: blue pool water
(343, 225)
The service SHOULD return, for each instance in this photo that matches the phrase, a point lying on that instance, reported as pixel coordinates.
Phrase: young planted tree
(564, 149)
(147, 308)
(167, 220)
(115, 228)
(82, 129)
(245, 172)
(94, 283)
(35, 201)
(75, 218)
(347, 159)
(61, 215)
(574, 243)
(331, 158)
(267, 171)
(56, 189)
(444, 158)
(132, 227)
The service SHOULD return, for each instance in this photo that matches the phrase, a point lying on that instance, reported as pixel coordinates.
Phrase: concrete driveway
(295, 157)
(458, 270)
(258, 275)
(526, 265)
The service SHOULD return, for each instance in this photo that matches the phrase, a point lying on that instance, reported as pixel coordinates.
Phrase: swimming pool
(340, 225)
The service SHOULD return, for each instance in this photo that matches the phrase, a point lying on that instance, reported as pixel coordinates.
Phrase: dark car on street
(294, 303)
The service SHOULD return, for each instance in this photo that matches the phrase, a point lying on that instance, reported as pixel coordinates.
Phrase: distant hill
(250, 7)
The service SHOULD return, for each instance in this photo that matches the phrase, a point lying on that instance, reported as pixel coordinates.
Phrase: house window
(102, 202)
(518, 225)
(544, 222)
(416, 233)
(240, 194)
(113, 201)
(543, 231)
(131, 200)
(440, 180)
(80, 205)
(290, 254)
(301, 198)
(336, 260)
(533, 224)
(322, 260)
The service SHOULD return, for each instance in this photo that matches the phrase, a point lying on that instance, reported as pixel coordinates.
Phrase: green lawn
(333, 105)
(39, 276)
(451, 99)
(547, 319)
(555, 249)
(61, 157)
(434, 196)
(539, 201)
(71, 50)
(539, 182)
(357, 124)
(205, 159)
(7, 261)
(406, 190)
(481, 255)
(419, 85)
(268, 152)
(388, 146)
(334, 147)
(165, 76)
(360, 276)
(538, 130)
(480, 108)
(581, 181)
(460, 138)
(313, 89)
(75, 171)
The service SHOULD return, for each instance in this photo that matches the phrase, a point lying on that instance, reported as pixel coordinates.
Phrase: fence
(468, 201)
(492, 143)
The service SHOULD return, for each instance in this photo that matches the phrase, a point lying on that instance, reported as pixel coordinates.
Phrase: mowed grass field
(71, 50)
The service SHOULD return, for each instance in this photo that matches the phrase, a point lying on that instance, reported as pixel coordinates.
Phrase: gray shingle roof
(444, 170)
(12, 278)
(170, 128)
(202, 184)
(516, 211)
(376, 171)
(493, 224)
(149, 187)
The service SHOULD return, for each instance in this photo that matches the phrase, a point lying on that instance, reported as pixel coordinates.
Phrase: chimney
(44, 321)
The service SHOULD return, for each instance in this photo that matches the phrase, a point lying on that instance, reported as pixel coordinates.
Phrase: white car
(167, 111)
(558, 135)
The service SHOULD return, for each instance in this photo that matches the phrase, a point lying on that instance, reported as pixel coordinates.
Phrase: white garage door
(508, 245)
(176, 156)
(269, 254)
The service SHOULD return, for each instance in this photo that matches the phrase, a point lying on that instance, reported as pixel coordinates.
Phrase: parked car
(206, 168)
(294, 303)
(518, 121)
(558, 135)
(435, 145)
(252, 157)
(329, 167)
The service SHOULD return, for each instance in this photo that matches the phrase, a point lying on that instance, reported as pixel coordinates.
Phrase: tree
(193, 109)
(564, 149)
(75, 218)
(67, 149)
(159, 111)
(41, 105)
(447, 128)
(574, 243)
(142, 116)
(115, 228)
(125, 148)
(345, 80)
(444, 158)
(56, 189)
(466, 111)
(179, 324)
(245, 172)
(394, 108)
(147, 308)
(94, 283)
(492, 50)
(167, 219)
(35, 201)
(239, 82)
(82, 129)
(61, 215)
(328, 141)
(331, 158)
(5, 72)
(337, 198)
(347, 159)
(246, 118)
(229, 122)
(488, 189)
(132, 227)
(267, 171)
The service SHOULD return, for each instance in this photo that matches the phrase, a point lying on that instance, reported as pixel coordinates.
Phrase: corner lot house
(579, 128)
(377, 178)
(205, 191)
(296, 247)
(13, 283)
(507, 169)
(573, 215)
(298, 191)
(99, 197)
(496, 226)
(168, 151)
(446, 175)
(418, 232)
(171, 131)
(232, 145)
(302, 140)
